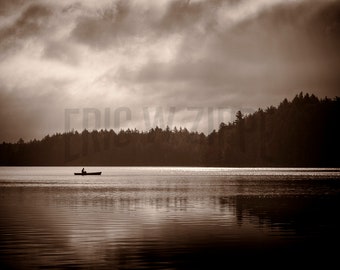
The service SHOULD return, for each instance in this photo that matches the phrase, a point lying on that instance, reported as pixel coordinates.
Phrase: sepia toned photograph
(169, 134)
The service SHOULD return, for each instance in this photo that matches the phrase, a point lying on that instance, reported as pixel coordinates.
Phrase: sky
(117, 64)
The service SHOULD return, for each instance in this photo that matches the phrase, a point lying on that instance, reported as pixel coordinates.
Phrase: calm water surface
(168, 218)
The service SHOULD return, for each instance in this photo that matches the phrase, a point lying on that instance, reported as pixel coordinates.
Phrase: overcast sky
(147, 55)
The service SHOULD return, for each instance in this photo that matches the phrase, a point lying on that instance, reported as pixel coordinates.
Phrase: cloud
(236, 54)
(29, 114)
(7, 6)
(126, 19)
(31, 21)
(280, 51)
(61, 51)
(106, 28)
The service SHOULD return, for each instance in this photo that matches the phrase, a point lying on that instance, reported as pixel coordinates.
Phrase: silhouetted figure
(83, 171)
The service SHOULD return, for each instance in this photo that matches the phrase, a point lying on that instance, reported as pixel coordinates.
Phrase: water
(168, 218)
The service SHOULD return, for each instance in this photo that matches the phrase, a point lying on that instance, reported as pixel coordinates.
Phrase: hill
(301, 132)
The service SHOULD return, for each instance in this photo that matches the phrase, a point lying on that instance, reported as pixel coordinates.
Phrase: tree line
(301, 132)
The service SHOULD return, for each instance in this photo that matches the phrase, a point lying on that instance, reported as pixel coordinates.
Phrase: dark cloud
(214, 53)
(123, 20)
(298, 27)
(8, 6)
(183, 15)
(281, 51)
(61, 51)
(31, 22)
(106, 27)
(32, 112)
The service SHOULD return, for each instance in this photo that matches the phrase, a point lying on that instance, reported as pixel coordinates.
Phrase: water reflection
(166, 221)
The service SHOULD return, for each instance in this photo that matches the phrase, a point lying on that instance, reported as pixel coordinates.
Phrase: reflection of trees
(173, 241)
(299, 231)
(312, 215)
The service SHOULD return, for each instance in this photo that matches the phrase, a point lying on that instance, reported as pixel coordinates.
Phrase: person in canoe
(83, 171)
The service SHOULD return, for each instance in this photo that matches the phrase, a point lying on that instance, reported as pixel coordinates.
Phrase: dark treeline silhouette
(301, 132)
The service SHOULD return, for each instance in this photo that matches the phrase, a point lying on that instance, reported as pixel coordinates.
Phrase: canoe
(89, 173)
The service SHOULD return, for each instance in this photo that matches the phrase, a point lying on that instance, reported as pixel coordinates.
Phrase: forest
(303, 132)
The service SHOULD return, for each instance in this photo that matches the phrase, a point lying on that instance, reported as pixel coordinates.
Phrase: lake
(168, 217)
